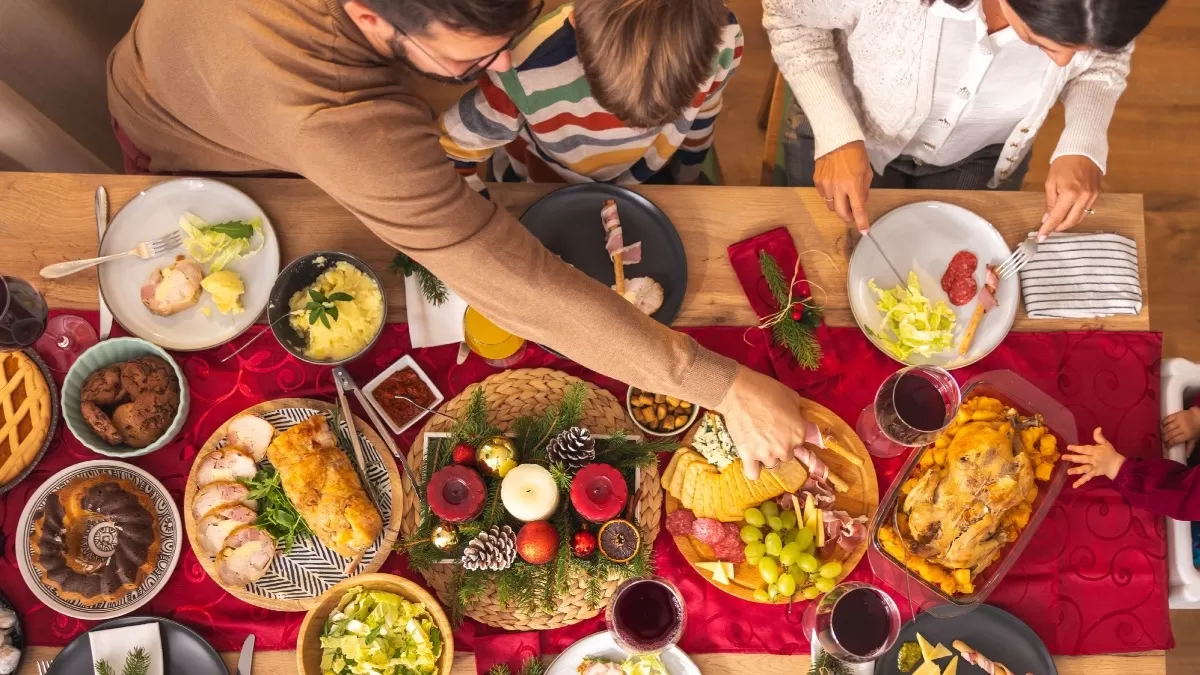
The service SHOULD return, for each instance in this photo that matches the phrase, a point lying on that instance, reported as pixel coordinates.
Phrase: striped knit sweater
(538, 121)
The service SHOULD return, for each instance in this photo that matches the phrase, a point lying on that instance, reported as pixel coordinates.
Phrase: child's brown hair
(645, 59)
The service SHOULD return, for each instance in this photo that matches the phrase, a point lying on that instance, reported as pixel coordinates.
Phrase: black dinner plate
(15, 635)
(998, 635)
(567, 222)
(184, 652)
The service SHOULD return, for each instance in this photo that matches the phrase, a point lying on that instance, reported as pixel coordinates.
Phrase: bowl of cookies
(28, 414)
(125, 397)
(659, 414)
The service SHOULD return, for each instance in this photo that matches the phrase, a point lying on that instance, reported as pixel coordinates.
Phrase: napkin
(1083, 276)
(114, 644)
(509, 649)
(852, 668)
(429, 325)
(744, 257)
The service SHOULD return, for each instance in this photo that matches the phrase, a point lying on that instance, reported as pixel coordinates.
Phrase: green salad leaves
(220, 244)
(276, 514)
(380, 633)
(911, 323)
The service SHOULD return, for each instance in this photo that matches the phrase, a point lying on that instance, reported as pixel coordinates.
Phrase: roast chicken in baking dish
(955, 513)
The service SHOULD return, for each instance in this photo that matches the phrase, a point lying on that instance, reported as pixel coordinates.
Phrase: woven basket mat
(520, 393)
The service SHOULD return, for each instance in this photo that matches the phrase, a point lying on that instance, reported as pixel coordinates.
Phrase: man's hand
(1072, 187)
(843, 178)
(1101, 459)
(763, 418)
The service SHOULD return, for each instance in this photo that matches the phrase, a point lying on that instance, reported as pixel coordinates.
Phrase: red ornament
(537, 542)
(456, 494)
(598, 492)
(463, 455)
(583, 544)
(797, 312)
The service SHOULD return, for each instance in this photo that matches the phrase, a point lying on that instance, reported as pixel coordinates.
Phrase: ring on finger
(773, 466)
(1090, 212)
(829, 200)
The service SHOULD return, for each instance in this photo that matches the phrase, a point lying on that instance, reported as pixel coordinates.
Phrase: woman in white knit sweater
(949, 94)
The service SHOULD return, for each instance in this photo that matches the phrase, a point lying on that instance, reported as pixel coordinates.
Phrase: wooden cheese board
(860, 499)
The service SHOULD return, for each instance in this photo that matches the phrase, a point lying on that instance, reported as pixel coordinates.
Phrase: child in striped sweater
(618, 91)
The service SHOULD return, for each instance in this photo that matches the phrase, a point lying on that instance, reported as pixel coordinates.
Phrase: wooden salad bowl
(862, 499)
(308, 642)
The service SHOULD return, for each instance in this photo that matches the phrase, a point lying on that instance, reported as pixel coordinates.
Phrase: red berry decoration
(537, 542)
(797, 312)
(456, 494)
(598, 492)
(583, 544)
(463, 455)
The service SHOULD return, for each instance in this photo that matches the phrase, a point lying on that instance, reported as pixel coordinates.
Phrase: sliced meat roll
(215, 527)
(251, 434)
(247, 555)
(225, 465)
(220, 493)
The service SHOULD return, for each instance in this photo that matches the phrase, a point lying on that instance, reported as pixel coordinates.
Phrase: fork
(145, 250)
(1019, 258)
(43, 667)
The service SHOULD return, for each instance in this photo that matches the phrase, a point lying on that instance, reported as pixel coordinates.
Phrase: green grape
(787, 557)
(786, 584)
(769, 569)
(774, 544)
(800, 577)
(804, 537)
(775, 523)
(754, 517)
(760, 595)
(755, 549)
(772, 592)
(811, 549)
(769, 509)
(810, 592)
(789, 519)
(808, 563)
(750, 534)
(789, 536)
(831, 570)
(825, 584)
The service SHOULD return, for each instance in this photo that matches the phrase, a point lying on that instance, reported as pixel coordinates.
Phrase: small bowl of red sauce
(402, 378)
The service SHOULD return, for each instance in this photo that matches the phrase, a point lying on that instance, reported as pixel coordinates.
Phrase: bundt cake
(96, 539)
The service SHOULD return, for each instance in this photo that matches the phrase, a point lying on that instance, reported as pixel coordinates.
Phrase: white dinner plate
(155, 212)
(602, 645)
(924, 237)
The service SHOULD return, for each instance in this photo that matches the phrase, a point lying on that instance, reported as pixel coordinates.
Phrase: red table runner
(1094, 581)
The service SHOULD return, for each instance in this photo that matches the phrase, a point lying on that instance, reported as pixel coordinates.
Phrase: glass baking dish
(1017, 392)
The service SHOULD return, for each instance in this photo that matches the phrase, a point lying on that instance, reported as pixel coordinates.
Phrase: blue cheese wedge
(713, 442)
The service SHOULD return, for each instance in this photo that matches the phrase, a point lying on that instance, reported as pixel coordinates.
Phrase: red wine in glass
(855, 622)
(910, 410)
(646, 615)
(23, 313)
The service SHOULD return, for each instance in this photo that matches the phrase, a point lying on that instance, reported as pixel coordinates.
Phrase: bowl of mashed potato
(351, 317)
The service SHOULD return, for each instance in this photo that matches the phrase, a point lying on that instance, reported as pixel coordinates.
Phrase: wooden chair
(773, 172)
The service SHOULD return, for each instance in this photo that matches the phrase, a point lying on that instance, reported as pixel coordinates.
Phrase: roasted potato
(659, 412)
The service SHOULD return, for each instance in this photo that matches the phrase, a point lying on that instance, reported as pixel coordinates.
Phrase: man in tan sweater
(316, 88)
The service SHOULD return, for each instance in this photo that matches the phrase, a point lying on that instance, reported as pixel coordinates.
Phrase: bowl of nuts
(659, 414)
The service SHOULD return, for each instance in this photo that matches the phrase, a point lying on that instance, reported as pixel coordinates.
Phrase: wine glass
(912, 407)
(646, 615)
(854, 623)
(25, 322)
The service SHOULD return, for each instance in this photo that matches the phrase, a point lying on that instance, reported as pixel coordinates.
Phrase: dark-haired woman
(949, 94)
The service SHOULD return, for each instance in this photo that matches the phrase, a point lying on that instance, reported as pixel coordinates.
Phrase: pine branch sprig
(432, 288)
(137, 662)
(779, 285)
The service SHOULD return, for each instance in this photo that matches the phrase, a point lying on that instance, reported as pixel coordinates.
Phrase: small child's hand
(1181, 427)
(1101, 459)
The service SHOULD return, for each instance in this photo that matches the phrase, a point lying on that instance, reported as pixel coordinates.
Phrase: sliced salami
(728, 551)
(959, 279)
(679, 523)
(709, 531)
(733, 533)
(962, 291)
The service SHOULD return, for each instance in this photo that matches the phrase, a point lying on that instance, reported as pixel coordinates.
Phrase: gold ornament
(444, 537)
(496, 457)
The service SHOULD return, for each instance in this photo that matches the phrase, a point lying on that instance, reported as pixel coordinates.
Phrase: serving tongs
(345, 383)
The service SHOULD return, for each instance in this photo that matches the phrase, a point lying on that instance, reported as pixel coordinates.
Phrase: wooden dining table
(49, 218)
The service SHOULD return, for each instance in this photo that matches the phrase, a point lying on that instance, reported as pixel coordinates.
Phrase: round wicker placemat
(511, 395)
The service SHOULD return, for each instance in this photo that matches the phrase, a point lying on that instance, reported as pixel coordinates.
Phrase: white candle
(529, 493)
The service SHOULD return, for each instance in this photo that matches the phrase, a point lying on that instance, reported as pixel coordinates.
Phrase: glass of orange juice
(495, 345)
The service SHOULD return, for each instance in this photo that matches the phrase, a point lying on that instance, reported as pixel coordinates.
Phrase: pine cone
(574, 448)
(493, 549)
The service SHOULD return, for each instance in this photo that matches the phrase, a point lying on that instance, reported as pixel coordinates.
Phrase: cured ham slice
(987, 302)
(846, 532)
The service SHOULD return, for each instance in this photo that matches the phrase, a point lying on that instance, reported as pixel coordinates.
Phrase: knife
(867, 235)
(247, 658)
(360, 459)
(106, 317)
(347, 383)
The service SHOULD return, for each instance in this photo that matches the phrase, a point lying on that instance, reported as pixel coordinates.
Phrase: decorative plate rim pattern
(170, 529)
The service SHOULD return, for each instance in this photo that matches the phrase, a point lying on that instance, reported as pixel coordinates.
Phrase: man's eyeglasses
(480, 64)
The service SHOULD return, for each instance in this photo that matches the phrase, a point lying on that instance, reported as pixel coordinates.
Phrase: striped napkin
(1083, 276)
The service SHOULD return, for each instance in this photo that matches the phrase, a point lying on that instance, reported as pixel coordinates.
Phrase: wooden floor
(1155, 151)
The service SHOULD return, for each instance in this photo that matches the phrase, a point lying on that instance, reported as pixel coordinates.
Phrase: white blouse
(984, 85)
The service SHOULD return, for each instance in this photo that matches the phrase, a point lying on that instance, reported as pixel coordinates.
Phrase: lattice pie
(24, 413)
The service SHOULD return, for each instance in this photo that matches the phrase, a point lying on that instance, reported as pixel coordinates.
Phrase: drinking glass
(23, 323)
(646, 616)
(854, 623)
(496, 346)
(911, 409)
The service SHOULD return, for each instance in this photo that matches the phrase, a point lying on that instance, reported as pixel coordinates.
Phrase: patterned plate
(15, 636)
(294, 581)
(169, 534)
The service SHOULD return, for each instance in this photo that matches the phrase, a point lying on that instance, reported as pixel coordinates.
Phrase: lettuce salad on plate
(912, 324)
(380, 633)
(222, 243)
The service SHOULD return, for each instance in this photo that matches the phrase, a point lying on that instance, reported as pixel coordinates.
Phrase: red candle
(598, 492)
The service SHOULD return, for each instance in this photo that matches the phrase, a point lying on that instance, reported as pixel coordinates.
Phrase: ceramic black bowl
(297, 276)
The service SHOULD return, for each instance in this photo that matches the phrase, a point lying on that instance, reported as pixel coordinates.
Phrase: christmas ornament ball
(537, 542)
(583, 544)
(463, 455)
(444, 537)
(496, 456)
